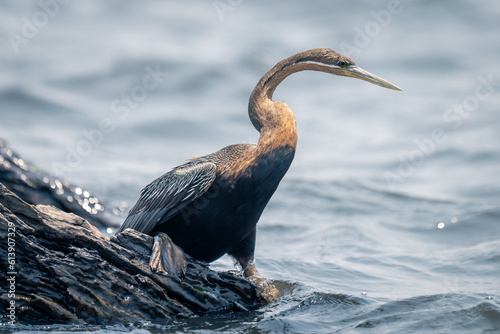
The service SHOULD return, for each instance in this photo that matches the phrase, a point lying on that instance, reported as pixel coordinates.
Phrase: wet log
(62, 269)
(36, 186)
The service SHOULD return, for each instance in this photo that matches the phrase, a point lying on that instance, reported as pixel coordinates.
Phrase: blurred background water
(388, 219)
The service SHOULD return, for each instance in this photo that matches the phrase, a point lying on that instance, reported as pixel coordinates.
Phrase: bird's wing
(167, 195)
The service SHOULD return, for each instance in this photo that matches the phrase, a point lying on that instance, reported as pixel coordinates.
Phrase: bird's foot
(166, 257)
(265, 288)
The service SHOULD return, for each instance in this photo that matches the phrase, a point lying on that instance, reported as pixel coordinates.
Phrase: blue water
(388, 220)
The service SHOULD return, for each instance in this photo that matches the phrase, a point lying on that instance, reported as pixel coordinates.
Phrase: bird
(210, 205)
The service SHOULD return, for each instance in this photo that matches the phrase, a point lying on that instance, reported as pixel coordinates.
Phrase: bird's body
(223, 219)
(210, 205)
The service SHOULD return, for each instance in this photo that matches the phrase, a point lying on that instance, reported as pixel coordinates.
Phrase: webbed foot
(166, 257)
(265, 288)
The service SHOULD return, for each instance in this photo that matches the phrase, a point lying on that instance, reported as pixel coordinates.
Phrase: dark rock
(66, 271)
(36, 186)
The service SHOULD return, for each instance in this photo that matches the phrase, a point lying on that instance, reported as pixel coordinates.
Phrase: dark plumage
(210, 205)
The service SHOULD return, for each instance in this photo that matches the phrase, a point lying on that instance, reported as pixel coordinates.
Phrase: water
(389, 218)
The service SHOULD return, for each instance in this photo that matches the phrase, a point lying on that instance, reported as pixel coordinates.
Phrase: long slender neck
(275, 120)
(263, 112)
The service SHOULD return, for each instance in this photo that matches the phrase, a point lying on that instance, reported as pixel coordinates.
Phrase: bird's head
(331, 61)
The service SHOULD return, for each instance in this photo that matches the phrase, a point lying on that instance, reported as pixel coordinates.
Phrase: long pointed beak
(358, 73)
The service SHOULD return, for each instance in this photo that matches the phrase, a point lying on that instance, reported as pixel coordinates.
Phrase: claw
(265, 288)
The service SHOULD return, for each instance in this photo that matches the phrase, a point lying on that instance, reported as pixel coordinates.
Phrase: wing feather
(167, 195)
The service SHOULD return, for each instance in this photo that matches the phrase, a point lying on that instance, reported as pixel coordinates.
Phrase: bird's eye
(342, 63)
